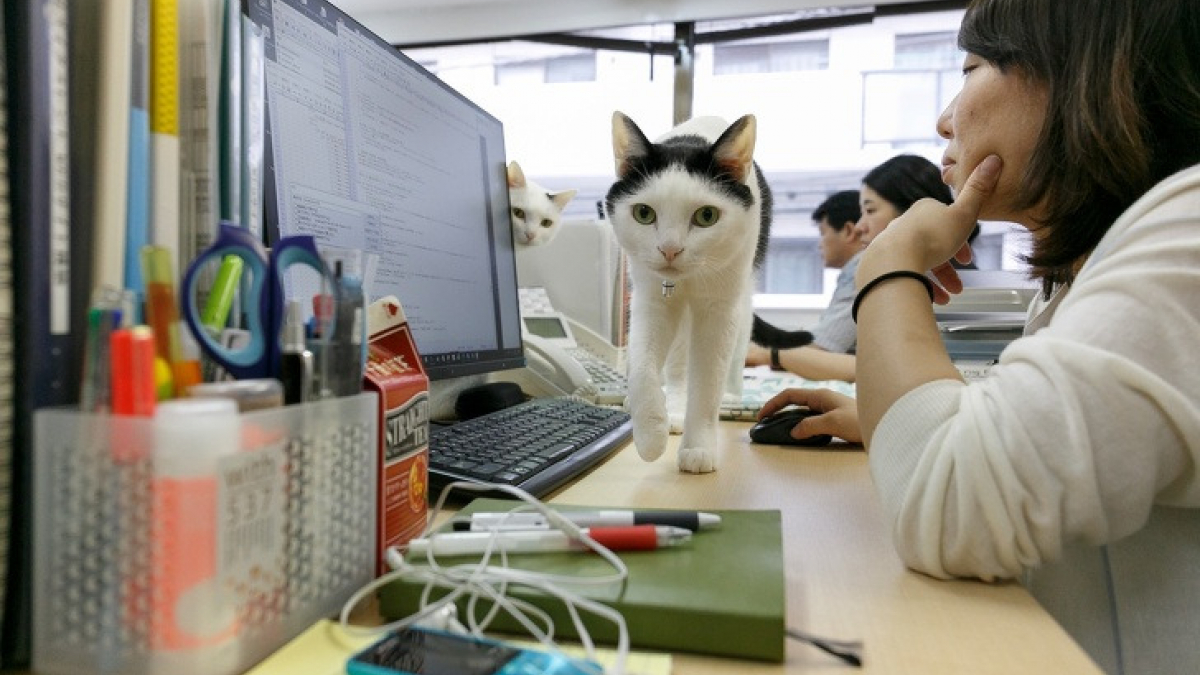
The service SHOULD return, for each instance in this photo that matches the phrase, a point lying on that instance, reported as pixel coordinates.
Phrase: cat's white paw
(650, 435)
(697, 460)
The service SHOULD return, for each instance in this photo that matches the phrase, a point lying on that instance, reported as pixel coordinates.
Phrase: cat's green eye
(706, 216)
(519, 213)
(644, 214)
(546, 222)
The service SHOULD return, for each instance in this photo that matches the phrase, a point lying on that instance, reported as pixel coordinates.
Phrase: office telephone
(564, 357)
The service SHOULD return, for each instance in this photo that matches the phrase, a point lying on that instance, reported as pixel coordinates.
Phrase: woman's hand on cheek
(930, 234)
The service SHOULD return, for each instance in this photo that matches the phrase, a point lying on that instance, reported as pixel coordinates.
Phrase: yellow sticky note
(323, 649)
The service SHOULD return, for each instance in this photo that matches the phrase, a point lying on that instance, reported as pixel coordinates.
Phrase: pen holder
(180, 545)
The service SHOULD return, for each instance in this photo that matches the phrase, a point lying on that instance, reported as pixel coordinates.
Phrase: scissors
(260, 357)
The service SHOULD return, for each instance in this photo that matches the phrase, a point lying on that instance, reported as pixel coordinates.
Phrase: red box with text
(394, 370)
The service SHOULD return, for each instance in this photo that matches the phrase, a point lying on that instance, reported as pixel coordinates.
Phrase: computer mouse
(776, 429)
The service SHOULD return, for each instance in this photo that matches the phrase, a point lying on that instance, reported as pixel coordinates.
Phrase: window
(901, 104)
(928, 50)
(577, 68)
(900, 107)
(793, 265)
(831, 104)
(770, 57)
(573, 68)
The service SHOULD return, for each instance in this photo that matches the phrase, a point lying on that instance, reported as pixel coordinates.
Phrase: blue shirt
(836, 331)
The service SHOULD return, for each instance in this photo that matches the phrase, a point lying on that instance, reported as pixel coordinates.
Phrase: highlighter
(132, 369)
(162, 312)
(133, 390)
(220, 297)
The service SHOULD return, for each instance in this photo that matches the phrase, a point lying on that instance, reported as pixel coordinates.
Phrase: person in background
(1074, 465)
(887, 191)
(836, 220)
(891, 188)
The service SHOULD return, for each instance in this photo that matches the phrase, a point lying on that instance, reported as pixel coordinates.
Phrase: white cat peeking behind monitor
(692, 213)
(536, 212)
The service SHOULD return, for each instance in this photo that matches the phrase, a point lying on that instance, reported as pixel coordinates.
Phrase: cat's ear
(561, 198)
(516, 177)
(629, 143)
(734, 150)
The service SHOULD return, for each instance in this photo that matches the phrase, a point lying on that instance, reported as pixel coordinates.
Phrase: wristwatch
(775, 365)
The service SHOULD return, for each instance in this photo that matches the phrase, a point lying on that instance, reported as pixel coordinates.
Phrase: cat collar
(668, 287)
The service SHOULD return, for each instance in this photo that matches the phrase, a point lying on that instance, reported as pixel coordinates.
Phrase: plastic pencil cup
(193, 617)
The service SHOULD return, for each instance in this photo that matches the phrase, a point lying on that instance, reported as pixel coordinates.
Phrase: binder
(6, 332)
(46, 355)
(164, 126)
(102, 44)
(721, 594)
(136, 167)
(200, 26)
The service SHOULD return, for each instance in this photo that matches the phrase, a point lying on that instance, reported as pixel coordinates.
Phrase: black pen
(296, 361)
(530, 520)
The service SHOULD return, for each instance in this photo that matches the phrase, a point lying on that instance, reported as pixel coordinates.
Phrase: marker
(529, 520)
(132, 371)
(296, 362)
(631, 538)
(162, 311)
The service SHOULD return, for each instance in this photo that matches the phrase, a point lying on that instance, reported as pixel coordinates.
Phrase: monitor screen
(365, 149)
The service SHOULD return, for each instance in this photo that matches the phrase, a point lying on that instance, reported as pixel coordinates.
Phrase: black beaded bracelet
(894, 274)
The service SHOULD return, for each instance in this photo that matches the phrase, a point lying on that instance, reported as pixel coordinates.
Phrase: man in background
(834, 335)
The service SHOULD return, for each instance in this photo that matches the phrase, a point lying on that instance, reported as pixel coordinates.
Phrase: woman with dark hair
(891, 188)
(1075, 464)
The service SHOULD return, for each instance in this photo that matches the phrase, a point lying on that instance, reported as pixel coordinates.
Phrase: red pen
(622, 538)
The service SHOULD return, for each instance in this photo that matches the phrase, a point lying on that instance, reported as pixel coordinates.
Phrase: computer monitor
(368, 150)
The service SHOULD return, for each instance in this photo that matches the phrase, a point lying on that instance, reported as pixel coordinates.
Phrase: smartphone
(423, 651)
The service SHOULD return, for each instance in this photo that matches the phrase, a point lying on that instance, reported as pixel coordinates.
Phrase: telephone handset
(558, 364)
(559, 372)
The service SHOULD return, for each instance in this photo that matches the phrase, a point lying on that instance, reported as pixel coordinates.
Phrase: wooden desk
(844, 579)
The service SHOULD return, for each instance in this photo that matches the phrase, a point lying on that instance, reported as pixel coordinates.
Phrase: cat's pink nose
(670, 252)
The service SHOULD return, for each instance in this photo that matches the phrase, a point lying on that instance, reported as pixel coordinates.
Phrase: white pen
(630, 538)
(531, 520)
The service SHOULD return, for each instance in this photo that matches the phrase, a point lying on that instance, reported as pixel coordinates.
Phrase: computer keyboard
(537, 445)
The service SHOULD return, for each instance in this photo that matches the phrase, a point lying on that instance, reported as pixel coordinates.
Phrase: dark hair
(1123, 84)
(838, 209)
(904, 179)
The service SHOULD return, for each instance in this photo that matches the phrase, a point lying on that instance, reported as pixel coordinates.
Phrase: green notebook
(721, 593)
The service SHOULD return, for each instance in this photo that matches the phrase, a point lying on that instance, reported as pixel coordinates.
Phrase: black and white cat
(536, 211)
(692, 213)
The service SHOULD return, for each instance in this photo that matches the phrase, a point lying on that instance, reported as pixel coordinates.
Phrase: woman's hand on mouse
(838, 413)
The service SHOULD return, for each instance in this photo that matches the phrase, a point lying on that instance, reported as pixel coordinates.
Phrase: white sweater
(1075, 463)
